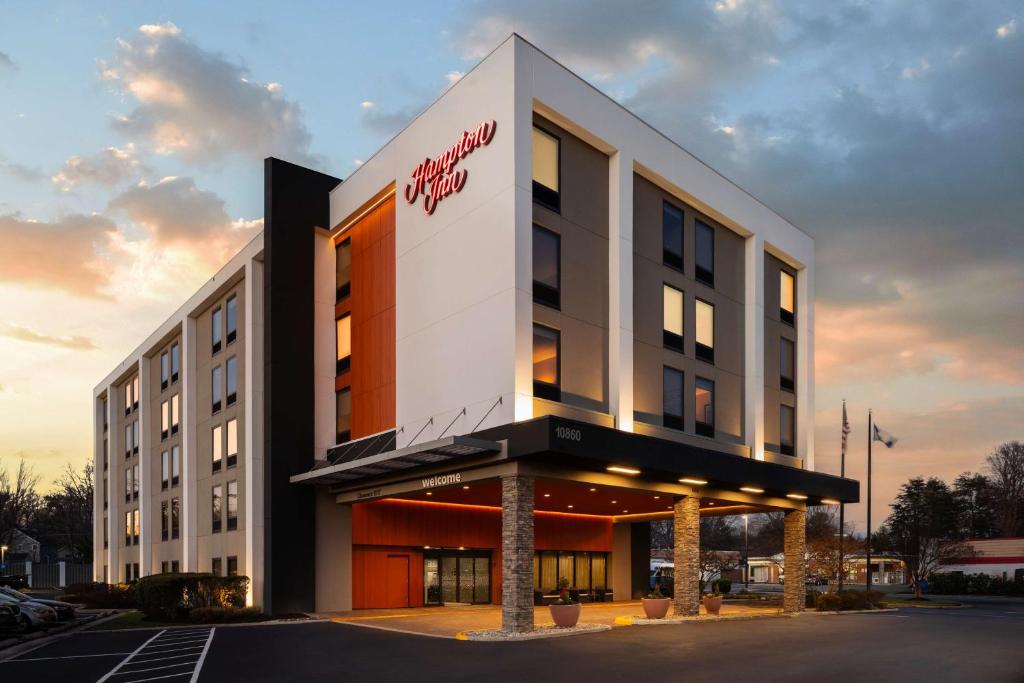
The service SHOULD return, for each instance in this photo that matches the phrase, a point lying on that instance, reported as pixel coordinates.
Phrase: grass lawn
(133, 619)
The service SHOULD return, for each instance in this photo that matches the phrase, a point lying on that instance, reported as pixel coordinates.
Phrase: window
(135, 569)
(175, 514)
(343, 405)
(215, 330)
(343, 269)
(217, 567)
(672, 398)
(106, 453)
(175, 567)
(672, 236)
(705, 253)
(106, 495)
(787, 363)
(704, 402)
(343, 334)
(232, 427)
(546, 367)
(128, 398)
(128, 441)
(232, 505)
(672, 332)
(105, 423)
(135, 393)
(232, 368)
(787, 297)
(128, 485)
(215, 508)
(218, 447)
(232, 318)
(164, 567)
(128, 527)
(164, 521)
(165, 420)
(135, 437)
(175, 416)
(136, 527)
(106, 533)
(175, 465)
(165, 470)
(165, 370)
(787, 429)
(705, 331)
(175, 361)
(547, 270)
(128, 571)
(136, 480)
(232, 566)
(546, 173)
(215, 389)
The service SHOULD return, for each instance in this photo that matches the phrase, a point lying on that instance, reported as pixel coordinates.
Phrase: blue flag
(885, 437)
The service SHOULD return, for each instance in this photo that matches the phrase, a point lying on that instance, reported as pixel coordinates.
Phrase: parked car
(65, 610)
(31, 614)
(10, 618)
(14, 581)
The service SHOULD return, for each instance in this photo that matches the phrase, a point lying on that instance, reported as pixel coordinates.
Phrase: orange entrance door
(396, 581)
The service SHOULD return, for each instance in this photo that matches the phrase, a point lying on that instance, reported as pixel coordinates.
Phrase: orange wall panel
(369, 566)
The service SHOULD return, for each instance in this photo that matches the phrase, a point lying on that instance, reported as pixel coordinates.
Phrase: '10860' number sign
(435, 179)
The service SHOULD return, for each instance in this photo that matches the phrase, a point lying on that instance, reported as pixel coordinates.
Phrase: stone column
(516, 554)
(686, 536)
(795, 594)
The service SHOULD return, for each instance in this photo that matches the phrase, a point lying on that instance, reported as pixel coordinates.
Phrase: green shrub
(853, 599)
(828, 602)
(224, 615)
(101, 595)
(724, 586)
(174, 596)
(976, 584)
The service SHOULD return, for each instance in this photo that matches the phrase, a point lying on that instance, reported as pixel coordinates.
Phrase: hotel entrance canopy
(553, 446)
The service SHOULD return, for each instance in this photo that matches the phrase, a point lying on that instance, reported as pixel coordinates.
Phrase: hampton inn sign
(437, 178)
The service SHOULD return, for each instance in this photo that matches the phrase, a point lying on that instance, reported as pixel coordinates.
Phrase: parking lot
(977, 644)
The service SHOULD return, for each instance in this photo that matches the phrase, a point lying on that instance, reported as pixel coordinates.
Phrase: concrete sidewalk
(448, 621)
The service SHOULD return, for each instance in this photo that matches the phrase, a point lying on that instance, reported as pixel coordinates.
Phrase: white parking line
(202, 658)
(129, 657)
(45, 659)
(159, 649)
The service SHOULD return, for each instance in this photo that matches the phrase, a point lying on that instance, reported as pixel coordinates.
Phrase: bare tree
(18, 499)
(64, 519)
(1006, 467)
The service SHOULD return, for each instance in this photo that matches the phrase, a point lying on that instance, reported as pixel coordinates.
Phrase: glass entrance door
(456, 577)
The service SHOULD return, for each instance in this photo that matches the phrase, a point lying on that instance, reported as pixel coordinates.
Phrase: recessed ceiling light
(625, 511)
(622, 470)
(614, 502)
(712, 503)
(829, 501)
(430, 493)
(693, 480)
(465, 488)
(462, 547)
(657, 498)
(569, 506)
(426, 547)
(592, 490)
(796, 496)
(751, 489)
(547, 495)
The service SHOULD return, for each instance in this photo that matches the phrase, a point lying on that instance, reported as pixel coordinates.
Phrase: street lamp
(746, 554)
(3, 552)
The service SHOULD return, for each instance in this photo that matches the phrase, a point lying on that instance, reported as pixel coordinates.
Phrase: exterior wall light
(796, 496)
(751, 489)
(693, 480)
(622, 470)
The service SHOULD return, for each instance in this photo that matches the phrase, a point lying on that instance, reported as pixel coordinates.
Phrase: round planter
(712, 604)
(656, 608)
(565, 616)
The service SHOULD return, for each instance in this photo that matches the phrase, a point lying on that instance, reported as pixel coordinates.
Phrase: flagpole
(868, 552)
(842, 506)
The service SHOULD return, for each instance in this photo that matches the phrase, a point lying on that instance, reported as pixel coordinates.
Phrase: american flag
(846, 430)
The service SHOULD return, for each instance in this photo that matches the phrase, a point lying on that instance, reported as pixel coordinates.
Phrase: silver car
(30, 614)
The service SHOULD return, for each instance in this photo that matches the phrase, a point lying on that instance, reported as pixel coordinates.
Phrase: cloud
(66, 254)
(75, 343)
(6, 63)
(199, 105)
(1008, 29)
(21, 171)
(108, 167)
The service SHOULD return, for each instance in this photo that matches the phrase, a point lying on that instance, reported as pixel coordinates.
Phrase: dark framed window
(136, 441)
(175, 415)
(232, 565)
(164, 521)
(216, 498)
(165, 370)
(232, 505)
(165, 419)
(217, 448)
(672, 398)
(175, 361)
(165, 470)
(217, 566)
(547, 363)
(343, 337)
(232, 317)
(343, 269)
(136, 482)
(135, 393)
(127, 441)
(175, 466)
(128, 485)
(128, 527)
(136, 526)
(787, 429)
(232, 429)
(215, 389)
(128, 571)
(165, 567)
(672, 318)
(787, 364)
(547, 171)
(175, 567)
(672, 236)
(128, 398)
(232, 373)
(175, 517)
(343, 415)
(704, 406)
(547, 267)
(215, 330)
(705, 334)
(704, 254)
(787, 297)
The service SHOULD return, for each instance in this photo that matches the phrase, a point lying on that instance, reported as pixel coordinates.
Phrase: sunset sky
(132, 134)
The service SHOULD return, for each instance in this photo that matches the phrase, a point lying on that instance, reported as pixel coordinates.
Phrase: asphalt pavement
(981, 643)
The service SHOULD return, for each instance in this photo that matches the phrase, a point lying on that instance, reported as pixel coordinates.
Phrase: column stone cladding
(516, 554)
(686, 555)
(795, 531)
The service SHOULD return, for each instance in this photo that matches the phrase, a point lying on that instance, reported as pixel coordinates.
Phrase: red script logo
(437, 178)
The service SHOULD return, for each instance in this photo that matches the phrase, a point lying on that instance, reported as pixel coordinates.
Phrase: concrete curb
(543, 631)
(644, 621)
(13, 647)
(847, 611)
(900, 605)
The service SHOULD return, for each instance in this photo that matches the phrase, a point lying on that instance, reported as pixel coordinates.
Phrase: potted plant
(564, 612)
(713, 600)
(655, 604)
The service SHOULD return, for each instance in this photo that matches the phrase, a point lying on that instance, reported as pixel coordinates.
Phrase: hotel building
(526, 327)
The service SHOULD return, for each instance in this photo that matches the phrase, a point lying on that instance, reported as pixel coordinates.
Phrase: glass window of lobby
(547, 272)
(546, 169)
(672, 332)
(546, 381)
